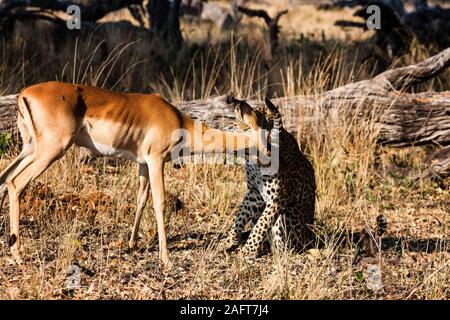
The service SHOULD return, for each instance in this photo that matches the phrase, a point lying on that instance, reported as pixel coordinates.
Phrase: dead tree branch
(272, 23)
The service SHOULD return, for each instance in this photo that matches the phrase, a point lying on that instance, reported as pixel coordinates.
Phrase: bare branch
(256, 13)
(272, 24)
(413, 74)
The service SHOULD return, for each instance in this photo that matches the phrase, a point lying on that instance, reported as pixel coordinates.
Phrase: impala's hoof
(17, 258)
(166, 263)
(132, 245)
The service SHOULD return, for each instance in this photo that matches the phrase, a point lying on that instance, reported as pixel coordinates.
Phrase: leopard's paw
(227, 245)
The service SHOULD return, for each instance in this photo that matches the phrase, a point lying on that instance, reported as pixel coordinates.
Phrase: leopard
(278, 205)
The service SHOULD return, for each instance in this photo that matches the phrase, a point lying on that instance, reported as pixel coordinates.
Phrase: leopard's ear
(272, 108)
(274, 113)
(249, 115)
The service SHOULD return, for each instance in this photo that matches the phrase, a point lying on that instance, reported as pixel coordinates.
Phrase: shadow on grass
(400, 245)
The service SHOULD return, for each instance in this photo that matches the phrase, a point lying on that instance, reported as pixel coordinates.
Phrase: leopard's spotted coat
(279, 206)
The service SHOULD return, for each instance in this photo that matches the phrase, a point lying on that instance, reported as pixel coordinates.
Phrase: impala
(143, 128)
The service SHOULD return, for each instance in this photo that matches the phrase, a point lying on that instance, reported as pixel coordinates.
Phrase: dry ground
(83, 213)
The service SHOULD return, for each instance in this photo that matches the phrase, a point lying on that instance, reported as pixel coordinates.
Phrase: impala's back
(109, 123)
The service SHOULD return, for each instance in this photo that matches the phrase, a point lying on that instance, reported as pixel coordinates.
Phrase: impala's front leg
(142, 199)
(156, 172)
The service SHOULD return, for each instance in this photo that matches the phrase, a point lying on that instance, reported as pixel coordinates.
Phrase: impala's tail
(28, 134)
(25, 121)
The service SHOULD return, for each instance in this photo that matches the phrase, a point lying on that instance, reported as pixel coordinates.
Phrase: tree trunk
(165, 21)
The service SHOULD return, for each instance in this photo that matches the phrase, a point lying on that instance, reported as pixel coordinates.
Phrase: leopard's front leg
(251, 208)
(261, 229)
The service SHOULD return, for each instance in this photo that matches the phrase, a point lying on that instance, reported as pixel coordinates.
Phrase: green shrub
(5, 141)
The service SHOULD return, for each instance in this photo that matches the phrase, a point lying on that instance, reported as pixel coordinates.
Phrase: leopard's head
(264, 123)
(247, 117)
(250, 118)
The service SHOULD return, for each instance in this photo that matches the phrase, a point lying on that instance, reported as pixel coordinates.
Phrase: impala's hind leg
(29, 169)
(28, 148)
(144, 187)
(26, 151)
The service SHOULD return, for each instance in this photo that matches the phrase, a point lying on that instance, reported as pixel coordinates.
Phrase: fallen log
(403, 118)
(90, 10)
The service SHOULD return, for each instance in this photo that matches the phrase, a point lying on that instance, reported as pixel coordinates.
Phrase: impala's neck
(205, 140)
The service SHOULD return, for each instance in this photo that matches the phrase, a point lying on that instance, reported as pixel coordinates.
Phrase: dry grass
(83, 213)
(79, 213)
